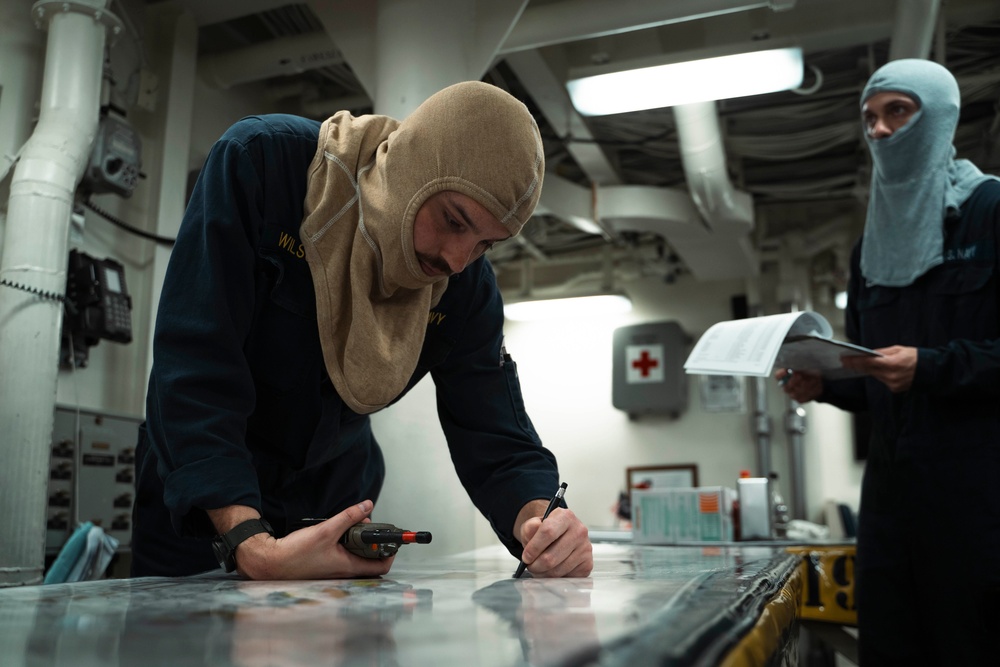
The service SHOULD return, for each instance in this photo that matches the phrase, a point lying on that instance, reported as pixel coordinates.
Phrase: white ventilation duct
(35, 256)
(720, 253)
(727, 251)
(725, 210)
(709, 225)
(671, 213)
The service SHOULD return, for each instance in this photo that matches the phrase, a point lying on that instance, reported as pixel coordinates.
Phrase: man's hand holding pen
(557, 547)
(800, 386)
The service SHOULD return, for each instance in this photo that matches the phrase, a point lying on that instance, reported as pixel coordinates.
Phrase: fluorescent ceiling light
(668, 85)
(600, 305)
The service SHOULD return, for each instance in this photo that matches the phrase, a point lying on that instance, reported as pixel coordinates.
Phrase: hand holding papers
(754, 346)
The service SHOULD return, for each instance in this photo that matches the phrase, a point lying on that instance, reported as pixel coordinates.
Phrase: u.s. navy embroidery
(435, 317)
(289, 243)
(961, 254)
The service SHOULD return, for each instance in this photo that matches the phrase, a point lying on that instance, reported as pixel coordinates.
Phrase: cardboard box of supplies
(678, 515)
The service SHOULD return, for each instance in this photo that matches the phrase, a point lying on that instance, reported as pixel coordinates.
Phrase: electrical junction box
(648, 369)
(115, 160)
(91, 475)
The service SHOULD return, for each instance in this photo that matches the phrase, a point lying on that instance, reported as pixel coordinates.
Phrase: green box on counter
(679, 515)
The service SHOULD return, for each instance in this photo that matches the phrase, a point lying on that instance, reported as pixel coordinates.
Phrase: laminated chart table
(667, 605)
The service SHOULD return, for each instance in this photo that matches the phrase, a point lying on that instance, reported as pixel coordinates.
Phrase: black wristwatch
(225, 545)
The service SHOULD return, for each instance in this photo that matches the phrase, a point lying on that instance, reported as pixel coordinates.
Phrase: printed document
(754, 346)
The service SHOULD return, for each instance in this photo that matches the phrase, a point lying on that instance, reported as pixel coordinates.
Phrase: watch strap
(245, 530)
(239, 534)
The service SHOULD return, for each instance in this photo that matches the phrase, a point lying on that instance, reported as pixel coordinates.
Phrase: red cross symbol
(644, 363)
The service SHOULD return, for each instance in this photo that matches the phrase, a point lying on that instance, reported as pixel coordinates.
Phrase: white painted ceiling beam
(573, 20)
(553, 101)
(206, 12)
(281, 56)
(568, 201)
(366, 33)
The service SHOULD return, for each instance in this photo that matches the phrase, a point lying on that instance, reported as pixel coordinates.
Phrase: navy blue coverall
(240, 409)
(928, 561)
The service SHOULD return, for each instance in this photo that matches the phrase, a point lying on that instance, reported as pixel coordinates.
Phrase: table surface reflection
(672, 605)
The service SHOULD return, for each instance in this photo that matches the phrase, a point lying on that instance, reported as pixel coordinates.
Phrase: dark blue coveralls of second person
(321, 271)
(925, 292)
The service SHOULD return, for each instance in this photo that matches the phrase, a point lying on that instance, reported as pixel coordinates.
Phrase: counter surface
(683, 605)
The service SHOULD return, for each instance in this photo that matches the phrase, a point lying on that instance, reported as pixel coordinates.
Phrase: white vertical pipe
(175, 116)
(796, 426)
(420, 48)
(407, 69)
(34, 254)
(913, 29)
(940, 42)
(762, 427)
(20, 70)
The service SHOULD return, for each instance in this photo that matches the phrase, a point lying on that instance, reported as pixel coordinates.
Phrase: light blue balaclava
(915, 179)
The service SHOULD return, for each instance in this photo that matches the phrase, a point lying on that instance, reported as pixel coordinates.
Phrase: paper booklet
(754, 346)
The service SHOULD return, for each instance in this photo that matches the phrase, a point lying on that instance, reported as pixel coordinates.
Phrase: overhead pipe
(722, 253)
(35, 258)
(724, 249)
(278, 57)
(581, 19)
(703, 155)
(575, 20)
(708, 225)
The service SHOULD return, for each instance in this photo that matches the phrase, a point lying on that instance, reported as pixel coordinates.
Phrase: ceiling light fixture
(646, 85)
(574, 307)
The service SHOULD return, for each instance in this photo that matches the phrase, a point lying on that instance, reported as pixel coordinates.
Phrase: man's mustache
(436, 263)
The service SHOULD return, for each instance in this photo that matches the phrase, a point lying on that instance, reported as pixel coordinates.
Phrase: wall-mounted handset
(97, 301)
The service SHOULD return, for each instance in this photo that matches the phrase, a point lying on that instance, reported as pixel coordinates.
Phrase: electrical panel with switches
(91, 474)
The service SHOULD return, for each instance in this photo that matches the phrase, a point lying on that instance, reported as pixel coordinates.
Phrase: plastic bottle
(780, 514)
(736, 509)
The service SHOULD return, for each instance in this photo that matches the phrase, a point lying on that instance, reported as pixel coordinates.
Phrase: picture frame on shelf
(684, 475)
